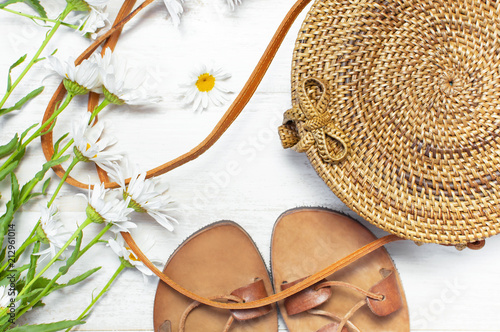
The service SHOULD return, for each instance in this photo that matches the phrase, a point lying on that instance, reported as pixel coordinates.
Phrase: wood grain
(246, 177)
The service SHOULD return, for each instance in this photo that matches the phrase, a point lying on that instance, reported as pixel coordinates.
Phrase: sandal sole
(306, 240)
(214, 261)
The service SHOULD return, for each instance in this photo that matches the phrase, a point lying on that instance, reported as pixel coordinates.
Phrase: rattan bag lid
(397, 105)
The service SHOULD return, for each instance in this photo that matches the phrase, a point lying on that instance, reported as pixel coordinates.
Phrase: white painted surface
(446, 290)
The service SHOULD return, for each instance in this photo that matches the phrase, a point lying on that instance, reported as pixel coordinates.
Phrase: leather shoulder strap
(110, 39)
(224, 123)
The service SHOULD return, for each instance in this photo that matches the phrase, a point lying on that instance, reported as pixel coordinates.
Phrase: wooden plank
(246, 177)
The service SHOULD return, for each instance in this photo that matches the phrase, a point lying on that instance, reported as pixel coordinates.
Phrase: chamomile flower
(232, 3)
(102, 208)
(175, 10)
(4, 297)
(127, 256)
(146, 195)
(124, 85)
(90, 144)
(78, 80)
(51, 231)
(92, 21)
(206, 86)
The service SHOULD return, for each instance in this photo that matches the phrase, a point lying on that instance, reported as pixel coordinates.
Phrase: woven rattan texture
(415, 85)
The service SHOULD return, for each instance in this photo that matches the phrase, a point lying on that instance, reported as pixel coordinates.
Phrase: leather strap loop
(252, 292)
(307, 299)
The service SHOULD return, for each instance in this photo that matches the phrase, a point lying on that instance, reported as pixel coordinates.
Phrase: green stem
(64, 149)
(59, 274)
(59, 253)
(95, 239)
(35, 58)
(96, 111)
(44, 19)
(30, 240)
(66, 102)
(63, 106)
(99, 108)
(103, 291)
(63, 180)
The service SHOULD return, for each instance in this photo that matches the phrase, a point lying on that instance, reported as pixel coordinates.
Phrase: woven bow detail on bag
(318, 128)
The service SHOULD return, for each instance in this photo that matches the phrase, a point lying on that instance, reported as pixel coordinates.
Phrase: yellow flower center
(205, 83)
(131, 256)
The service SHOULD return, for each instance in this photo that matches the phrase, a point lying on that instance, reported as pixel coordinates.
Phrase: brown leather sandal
(222, 263)
(365, 296)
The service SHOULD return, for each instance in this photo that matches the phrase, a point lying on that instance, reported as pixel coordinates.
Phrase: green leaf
(58, 142)
(2, 254)
(76, 280)
(42, 282)
(6, 219)
(33, 262)
(52, 327)
(23, 101)
(4, 322)
(35, 4)
(8, 148)
(5, 276)
(6, 171)
(15, 189)
(80, 278)
(17, 63)
(29, 186)
(29, 295)
(45, 186)
(9, 2)
(74, 256)
(23, 135)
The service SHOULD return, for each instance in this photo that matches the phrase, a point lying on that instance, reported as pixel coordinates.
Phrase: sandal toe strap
(252, 292)
(333, 327)
(383, 298)
(388, 287)
(307, 299)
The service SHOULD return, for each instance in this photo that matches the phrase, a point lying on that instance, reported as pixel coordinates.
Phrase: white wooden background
(446, 290)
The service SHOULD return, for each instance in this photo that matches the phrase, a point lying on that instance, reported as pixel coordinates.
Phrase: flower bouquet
(38, 264)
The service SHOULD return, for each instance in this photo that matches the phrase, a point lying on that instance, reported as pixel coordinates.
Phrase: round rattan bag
(397, 105)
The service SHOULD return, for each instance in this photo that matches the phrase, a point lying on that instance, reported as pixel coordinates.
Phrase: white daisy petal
(97, 3)
(102, 209)
(85, 75)
(90, 144)
(127, 255)
(175, 10)
(94, 20)
(123, 84)
(205, 88)
(145, 195)
(7, 294)
(232, 3)
(51, 232)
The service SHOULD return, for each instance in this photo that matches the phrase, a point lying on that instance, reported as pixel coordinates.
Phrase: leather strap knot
(320, 130)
